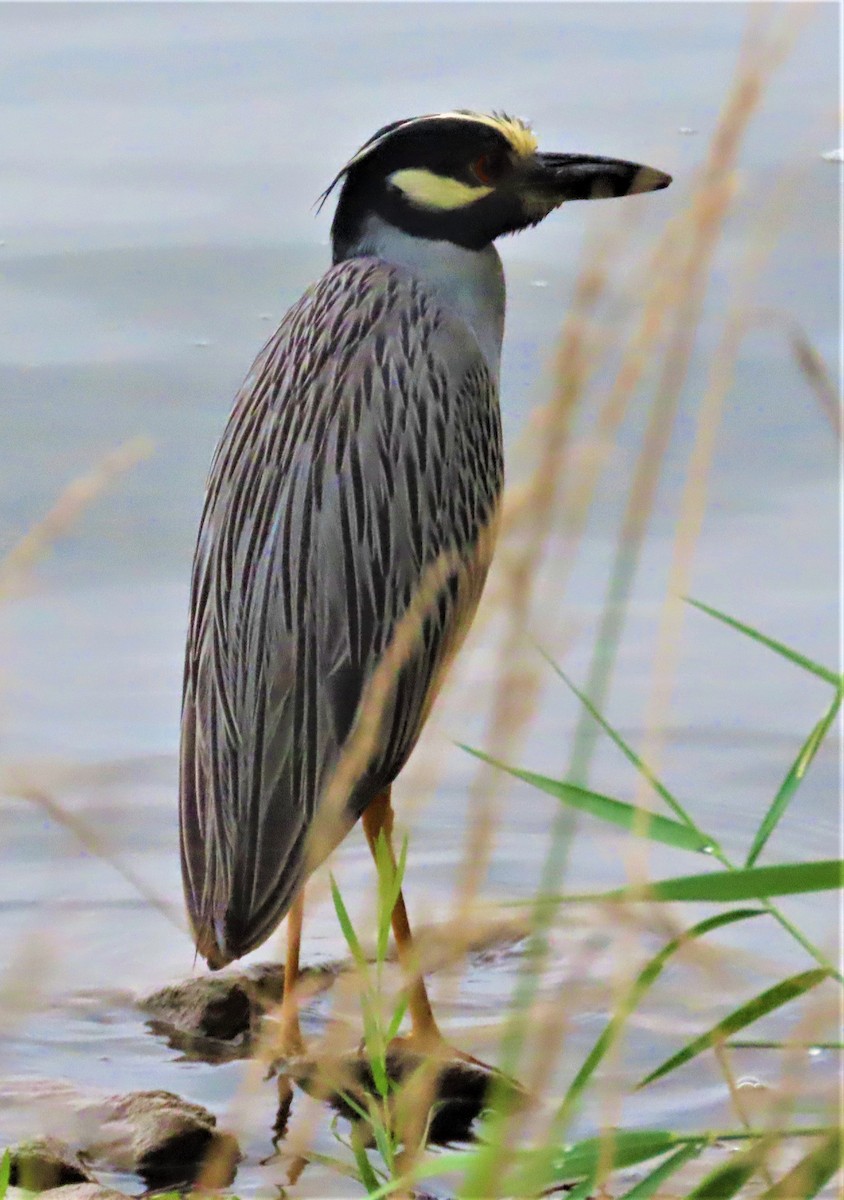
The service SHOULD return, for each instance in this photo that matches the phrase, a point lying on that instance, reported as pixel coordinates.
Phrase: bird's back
(363, 449)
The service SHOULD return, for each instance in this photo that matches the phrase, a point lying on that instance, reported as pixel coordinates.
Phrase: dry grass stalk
(66, 511)
(515, 692)
(809, 361)
(693, 500)
(14, 567)
(332, 823)
(95, 844)
(689, 246)
(702, 226)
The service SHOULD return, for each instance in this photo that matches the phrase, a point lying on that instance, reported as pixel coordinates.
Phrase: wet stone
(218, 1016)
(82, 1191)
(169, 1142)
(45, 1163)
(456, 1093)
(166, 1140)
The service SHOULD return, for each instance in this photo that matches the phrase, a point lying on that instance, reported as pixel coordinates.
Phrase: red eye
(489, 168)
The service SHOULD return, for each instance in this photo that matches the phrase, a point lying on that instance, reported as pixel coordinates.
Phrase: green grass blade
(367, 1174)
(390, 876)
(375, 1048)
(616, 1148)
(637, 820)
(398, 874)
(383, 1141)
(675, 805)
(769, 1000)
(620, 1147)
(809, 1175)
(729, 1178)
(582, 1190)
(354, 1106)
(347, 927)
(799, 660)
(386, 880)
(374, 1041)
(5, 1173)
(344, 1169)
(749, 883)
(644, 980)
(752, 1044)
(646, 1188)
(792, 781)
(396, 1019)
(429, 1168)
(625, 747)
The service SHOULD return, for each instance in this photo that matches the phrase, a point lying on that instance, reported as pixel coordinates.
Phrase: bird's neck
(467, 282)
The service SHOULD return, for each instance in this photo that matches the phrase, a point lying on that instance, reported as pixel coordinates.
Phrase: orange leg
(291, 1036)
(378, 817)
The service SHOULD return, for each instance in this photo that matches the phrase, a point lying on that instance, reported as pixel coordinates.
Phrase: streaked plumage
(363, 445)
(365, 442)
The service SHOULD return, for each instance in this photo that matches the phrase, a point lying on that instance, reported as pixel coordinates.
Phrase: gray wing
(364, 444)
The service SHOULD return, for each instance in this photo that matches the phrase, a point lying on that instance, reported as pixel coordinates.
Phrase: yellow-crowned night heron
(364, 447)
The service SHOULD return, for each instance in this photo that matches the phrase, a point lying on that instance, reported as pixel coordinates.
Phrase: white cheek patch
(438, 193)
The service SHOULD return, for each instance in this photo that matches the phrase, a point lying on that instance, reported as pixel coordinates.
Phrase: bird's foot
(429, 1045)
(288, 1042)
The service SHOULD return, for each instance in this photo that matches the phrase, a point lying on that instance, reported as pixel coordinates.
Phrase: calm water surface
(159, 166)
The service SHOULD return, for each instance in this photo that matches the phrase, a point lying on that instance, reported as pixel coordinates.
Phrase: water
(159, 167)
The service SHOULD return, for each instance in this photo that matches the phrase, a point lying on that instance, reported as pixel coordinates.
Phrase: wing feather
(363, 445)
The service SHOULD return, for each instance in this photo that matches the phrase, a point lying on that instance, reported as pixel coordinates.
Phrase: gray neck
(467, 282)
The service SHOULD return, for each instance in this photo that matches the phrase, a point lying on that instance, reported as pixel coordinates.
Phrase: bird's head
(468, 178)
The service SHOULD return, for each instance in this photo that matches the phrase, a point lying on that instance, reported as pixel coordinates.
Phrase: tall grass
(527, 1152)
(499, 1165)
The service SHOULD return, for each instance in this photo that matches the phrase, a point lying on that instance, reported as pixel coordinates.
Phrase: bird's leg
(422, 1088)
(425, 1035)
(290, 1038)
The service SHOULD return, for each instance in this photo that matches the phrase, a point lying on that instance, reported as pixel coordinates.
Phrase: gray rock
(166, 1140)
(456, 1092)
(218, 1015)
(82, 1191)
(45, 1163)
(223, 1010)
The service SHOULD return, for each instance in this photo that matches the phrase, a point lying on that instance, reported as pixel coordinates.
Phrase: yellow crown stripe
(430, 190)
(517, 133)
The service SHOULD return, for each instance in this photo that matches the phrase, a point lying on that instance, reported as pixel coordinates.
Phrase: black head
(468, 178)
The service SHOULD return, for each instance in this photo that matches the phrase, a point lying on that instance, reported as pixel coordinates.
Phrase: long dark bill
(585, 177)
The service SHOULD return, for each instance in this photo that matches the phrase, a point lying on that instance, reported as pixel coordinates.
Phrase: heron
(355, 491)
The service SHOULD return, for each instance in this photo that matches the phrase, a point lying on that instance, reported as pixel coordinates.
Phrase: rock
(82, 1191)
(45, 1163)
(164, 1139)
(213, 1007)
(456, 1095)
(168, 1141)
(217, 1016)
